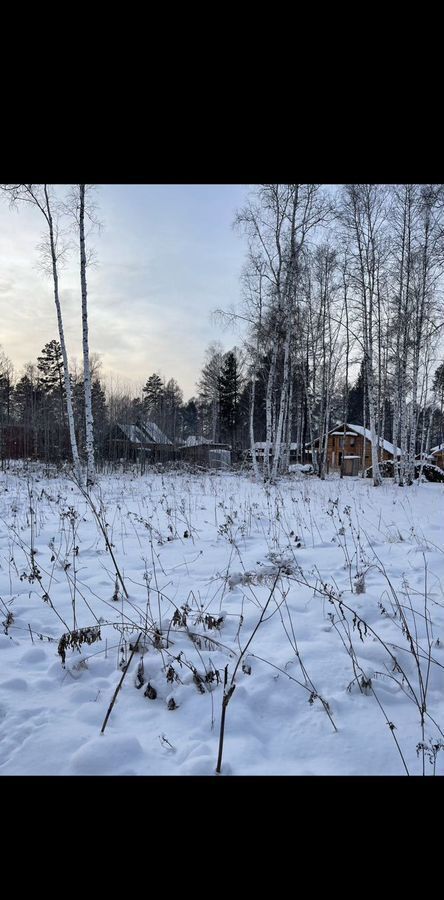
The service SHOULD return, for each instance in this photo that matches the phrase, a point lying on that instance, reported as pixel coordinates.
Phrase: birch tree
(427, 271)
(209, 385)
(42, 198)
(277, 221)
(253, 277)
(363, 214)
(416, 271)
(255, 343)
(80, 205)
(328, 331)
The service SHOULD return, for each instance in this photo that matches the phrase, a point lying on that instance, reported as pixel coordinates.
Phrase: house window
(352, 442)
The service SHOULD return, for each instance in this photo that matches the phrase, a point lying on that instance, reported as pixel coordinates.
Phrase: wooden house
(138, 442)
(260, 451)
(437, 454)
(354, 447)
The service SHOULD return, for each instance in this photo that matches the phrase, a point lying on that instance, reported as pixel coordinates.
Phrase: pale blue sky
(167, 256)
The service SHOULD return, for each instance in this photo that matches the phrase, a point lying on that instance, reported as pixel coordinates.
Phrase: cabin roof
(146, 433)
(359, 429)
(260, 445)
(386, 445)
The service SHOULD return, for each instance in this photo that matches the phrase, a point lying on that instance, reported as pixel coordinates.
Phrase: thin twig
(120, 684)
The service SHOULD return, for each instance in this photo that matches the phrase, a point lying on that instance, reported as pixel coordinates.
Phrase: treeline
(220, 411)
(36, 403)
(33, 414)
(338, 283)
(343, 304)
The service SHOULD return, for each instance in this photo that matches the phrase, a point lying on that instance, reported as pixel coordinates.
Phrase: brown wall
(438, 459)
(353, 446)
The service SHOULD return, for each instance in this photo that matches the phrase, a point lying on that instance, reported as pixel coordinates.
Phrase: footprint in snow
(17, 729)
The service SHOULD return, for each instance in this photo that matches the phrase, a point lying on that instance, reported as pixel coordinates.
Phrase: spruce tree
(230, 393)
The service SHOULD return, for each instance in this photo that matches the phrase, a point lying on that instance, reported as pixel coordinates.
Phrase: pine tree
(172, 410)
(50, 369)
(53, 416)
(209, 389)
(154, 392)
(190, 418)
(50, 366)
(356, 400)
(230, 393)
(6, 389)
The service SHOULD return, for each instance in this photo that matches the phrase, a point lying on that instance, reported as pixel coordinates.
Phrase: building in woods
(141, 442)
(437, 454)
(260, 446)
(202, 451)
(350, 447)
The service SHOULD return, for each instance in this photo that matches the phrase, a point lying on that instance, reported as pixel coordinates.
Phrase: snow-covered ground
(322, 602)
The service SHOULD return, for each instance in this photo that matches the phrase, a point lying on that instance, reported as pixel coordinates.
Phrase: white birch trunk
(396, 462)
(364, 424)
(89, 421)
(325, 439)
(69, 408)
(214, 412)
(252, 441)
(268, 413)
(314, 454)
(403, 432)
(283, 400)
(377, 480)
(289, 424)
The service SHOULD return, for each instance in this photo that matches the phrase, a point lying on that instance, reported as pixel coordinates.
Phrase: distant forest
(342, 308)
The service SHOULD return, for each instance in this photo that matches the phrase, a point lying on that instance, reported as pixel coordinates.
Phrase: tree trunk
(252, 441)
(283, 401)
(289, 422)
(89, 421)
(69, 409)
(268, 413)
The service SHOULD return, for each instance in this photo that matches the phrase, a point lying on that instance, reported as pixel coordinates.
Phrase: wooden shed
(140, 441)
(203, 452)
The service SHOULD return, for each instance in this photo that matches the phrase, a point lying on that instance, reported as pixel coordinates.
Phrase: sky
(167, 256)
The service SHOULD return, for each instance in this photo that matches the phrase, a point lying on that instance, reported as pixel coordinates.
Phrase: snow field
(338, 585)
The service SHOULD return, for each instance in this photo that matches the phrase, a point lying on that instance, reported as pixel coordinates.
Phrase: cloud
(166, 258)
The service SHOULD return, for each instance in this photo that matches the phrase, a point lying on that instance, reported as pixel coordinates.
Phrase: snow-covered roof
(260, 445)
(386, 445)
(359, 429)
(149, 433)
(196, 441)
(155, 434)
(437, 449)
(133, 433)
